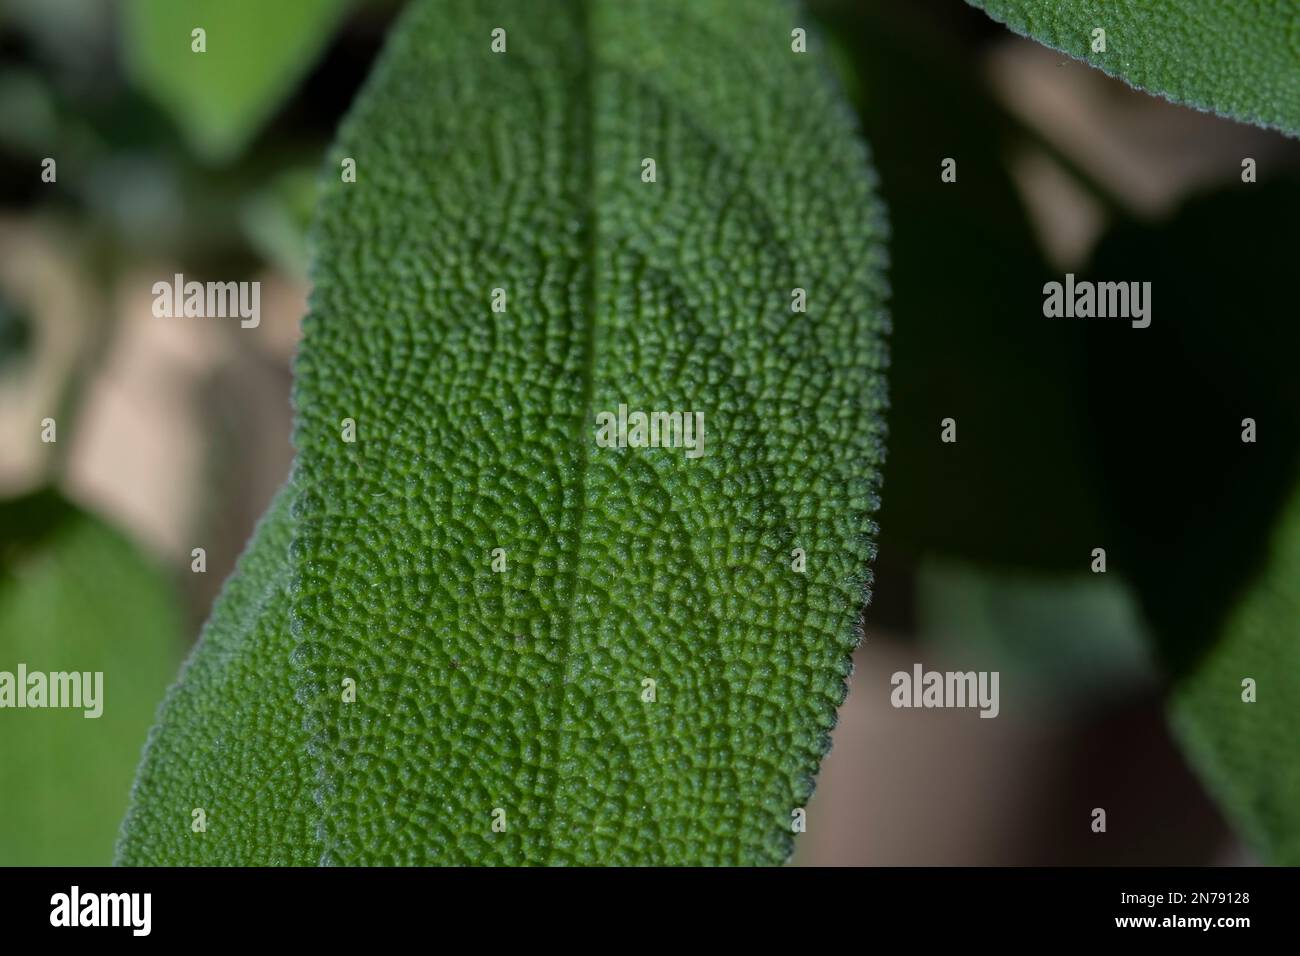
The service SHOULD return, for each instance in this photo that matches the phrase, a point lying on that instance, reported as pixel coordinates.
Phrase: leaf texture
(228, 741)
(1239, 58)
(508, 716)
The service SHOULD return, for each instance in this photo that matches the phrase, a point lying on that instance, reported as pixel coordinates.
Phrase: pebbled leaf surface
(523, 691)
(1239, 58)
(227, 739)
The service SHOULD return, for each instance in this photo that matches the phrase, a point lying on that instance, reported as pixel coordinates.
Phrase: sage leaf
(558, 651)
(224, 779)
(1238, 58)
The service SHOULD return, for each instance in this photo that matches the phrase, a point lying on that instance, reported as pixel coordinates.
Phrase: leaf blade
(552, 728)
(255, 800)
(1238, 59)
(254, 54)
(1247, 752)
(523, 691)
(1172, 403)
(75, 597)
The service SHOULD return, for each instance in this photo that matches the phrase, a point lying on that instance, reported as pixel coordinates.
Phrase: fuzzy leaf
(520, 698)
(1239, 58)
(229, 741)
(254, 53)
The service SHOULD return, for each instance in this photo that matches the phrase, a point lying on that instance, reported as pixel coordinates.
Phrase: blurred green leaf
(256, 51)
(277, 217)
(75, 595)
(72, 36)
(27, 104)
(1204, 523)
(1249, 753)
(1239, 58)
(1070, 641)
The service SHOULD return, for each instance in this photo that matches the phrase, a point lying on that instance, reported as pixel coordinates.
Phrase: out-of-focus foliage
(1061, 642)
(1080, 434)
(1249, 753)
(276, 218)
(255, 51)
(1190, 506)
(1198, 518)
(75, 595)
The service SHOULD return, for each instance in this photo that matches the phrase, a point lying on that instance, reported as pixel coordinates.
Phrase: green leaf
(276, 218)
(75, 596)
(521, 697)
(1068, 642)
(1202, 522)
(229, 741)
(1249, 752)
(1238, 58)
(255, 53)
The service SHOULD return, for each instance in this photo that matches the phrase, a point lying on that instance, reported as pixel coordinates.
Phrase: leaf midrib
(593, 68)
(587, 368)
